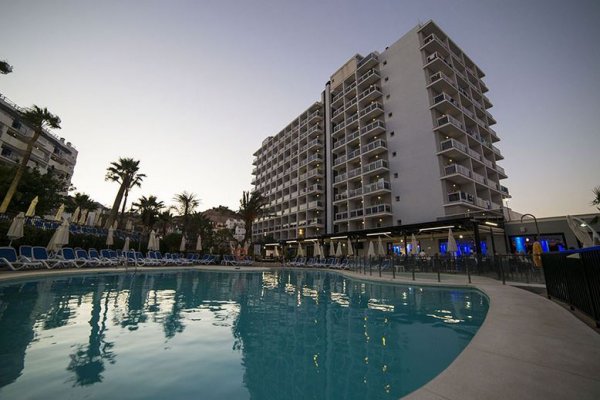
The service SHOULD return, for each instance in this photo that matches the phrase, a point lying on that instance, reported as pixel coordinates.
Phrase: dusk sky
(192, 88)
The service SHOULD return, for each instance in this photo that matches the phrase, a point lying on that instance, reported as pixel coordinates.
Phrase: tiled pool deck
(528, 347)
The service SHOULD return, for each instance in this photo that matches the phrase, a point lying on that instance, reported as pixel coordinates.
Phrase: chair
(40, 254)
(93, 253)
(82, 256)
(8, 257)
(26, 252)
(67, 254)
(110, 255)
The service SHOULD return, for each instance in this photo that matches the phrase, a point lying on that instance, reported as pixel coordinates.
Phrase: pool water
(256, 335)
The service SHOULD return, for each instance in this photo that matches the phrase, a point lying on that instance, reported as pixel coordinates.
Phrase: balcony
(311, 189)
(504, 191)
(459, 173)
(450, 126)
(339, 160)
(341, 215)
(375, 166)
(378, 209)
(436, 62)
(314, 204)
(353, 173)
(352, 121)
(335, 99)
(356, 213)
(445, 103)
(353, 154)
(461, 197)
(369, 77)
(315, 116)
(442, 82)
(369, 61)
(374, 127)
(372, 111)
(339, 128)
(500, 170)
(452, 148)
(355, 192)
(341, 196)
(376, 146)
(340, 178)
(497, 152)
(315, 129)
(338, 115)
(380, 185)
(433, 43)
(478, 178)
(370, 94)
(351, 106)
(352, 136)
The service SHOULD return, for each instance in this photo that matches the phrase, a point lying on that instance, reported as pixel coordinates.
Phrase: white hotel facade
(50, 153)
(401, 137)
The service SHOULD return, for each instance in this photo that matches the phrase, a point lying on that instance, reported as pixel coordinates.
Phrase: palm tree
(124, 172)
(596, 202)
(39, 119)
(186, 203)
(251, 207)
(165, 219)
(136, 181)
(5, 67)
(149, 209)
(83, 201)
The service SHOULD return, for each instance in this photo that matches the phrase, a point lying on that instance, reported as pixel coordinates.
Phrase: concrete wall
(418, 184)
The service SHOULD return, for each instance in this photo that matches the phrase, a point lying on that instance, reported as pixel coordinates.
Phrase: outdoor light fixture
(379, 234)
(490, 223)
(338, 237)
(291, 241)
(436, 228)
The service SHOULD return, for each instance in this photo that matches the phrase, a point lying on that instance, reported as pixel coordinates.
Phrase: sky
(192, 88)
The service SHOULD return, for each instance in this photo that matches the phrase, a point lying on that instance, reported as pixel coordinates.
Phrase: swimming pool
(195, 334)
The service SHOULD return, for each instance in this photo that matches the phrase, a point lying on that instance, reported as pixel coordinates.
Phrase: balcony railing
(371, 56)
(367, 75)
(368, 91)
(379, 185)
(457, 169)
(378, 209)
(461, 196)
(452, 143)
(448, 119)
(441, 97)
(373, 125)
(375, 165)
(371, 107)
(374, 145)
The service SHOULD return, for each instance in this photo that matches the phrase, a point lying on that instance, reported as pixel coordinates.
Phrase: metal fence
(574, 277)
(513, 268)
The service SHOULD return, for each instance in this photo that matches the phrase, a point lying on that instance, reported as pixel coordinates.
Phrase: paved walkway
(528, 347)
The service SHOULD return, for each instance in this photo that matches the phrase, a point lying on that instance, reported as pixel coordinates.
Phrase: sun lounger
(9, 257)
(40, 254)
(83, 257)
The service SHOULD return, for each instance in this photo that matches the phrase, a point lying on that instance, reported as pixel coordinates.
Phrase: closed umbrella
(316, 250)
(129, 225)
(414, 245)
(152, 241)
(276, 251)
(60, 237)
(300, 250)
(110, 237)
(59, 213)
(91, 218)
(15, 231)
(183, 243)
(31, 210)
(98, 219)
(452, 247)
(83, 217)
(380, 250)
(350, 248)
(246, 246)
(338, 251)
(199, 243)
(75, 216)
(331, 249)
(371, 251)
(126, 245)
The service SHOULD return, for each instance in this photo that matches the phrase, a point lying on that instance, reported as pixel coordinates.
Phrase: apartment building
(405, 137)
(50, 154)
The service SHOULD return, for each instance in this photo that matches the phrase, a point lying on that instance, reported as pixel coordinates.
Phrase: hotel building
(50, 154)
(401, 137)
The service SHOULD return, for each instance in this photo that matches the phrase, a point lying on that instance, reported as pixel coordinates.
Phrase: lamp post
(537, 228)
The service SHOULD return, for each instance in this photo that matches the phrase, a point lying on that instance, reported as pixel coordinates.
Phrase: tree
(165, 220)
(186, 203)
(596, 202)
(5, 67)
(136, 181)
(83, 201)
(251, 208)
(124, 172)
(47, 187)
(149, 210)
(39, 119)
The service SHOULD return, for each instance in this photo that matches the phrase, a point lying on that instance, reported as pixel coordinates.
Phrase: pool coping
(527, 348)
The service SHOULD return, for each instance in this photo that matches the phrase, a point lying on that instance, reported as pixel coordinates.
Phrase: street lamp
(537, 228)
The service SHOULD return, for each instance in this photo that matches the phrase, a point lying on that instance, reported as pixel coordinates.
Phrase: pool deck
(528, 347)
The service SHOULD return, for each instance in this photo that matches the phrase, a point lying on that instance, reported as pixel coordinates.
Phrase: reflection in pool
(268, 335)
